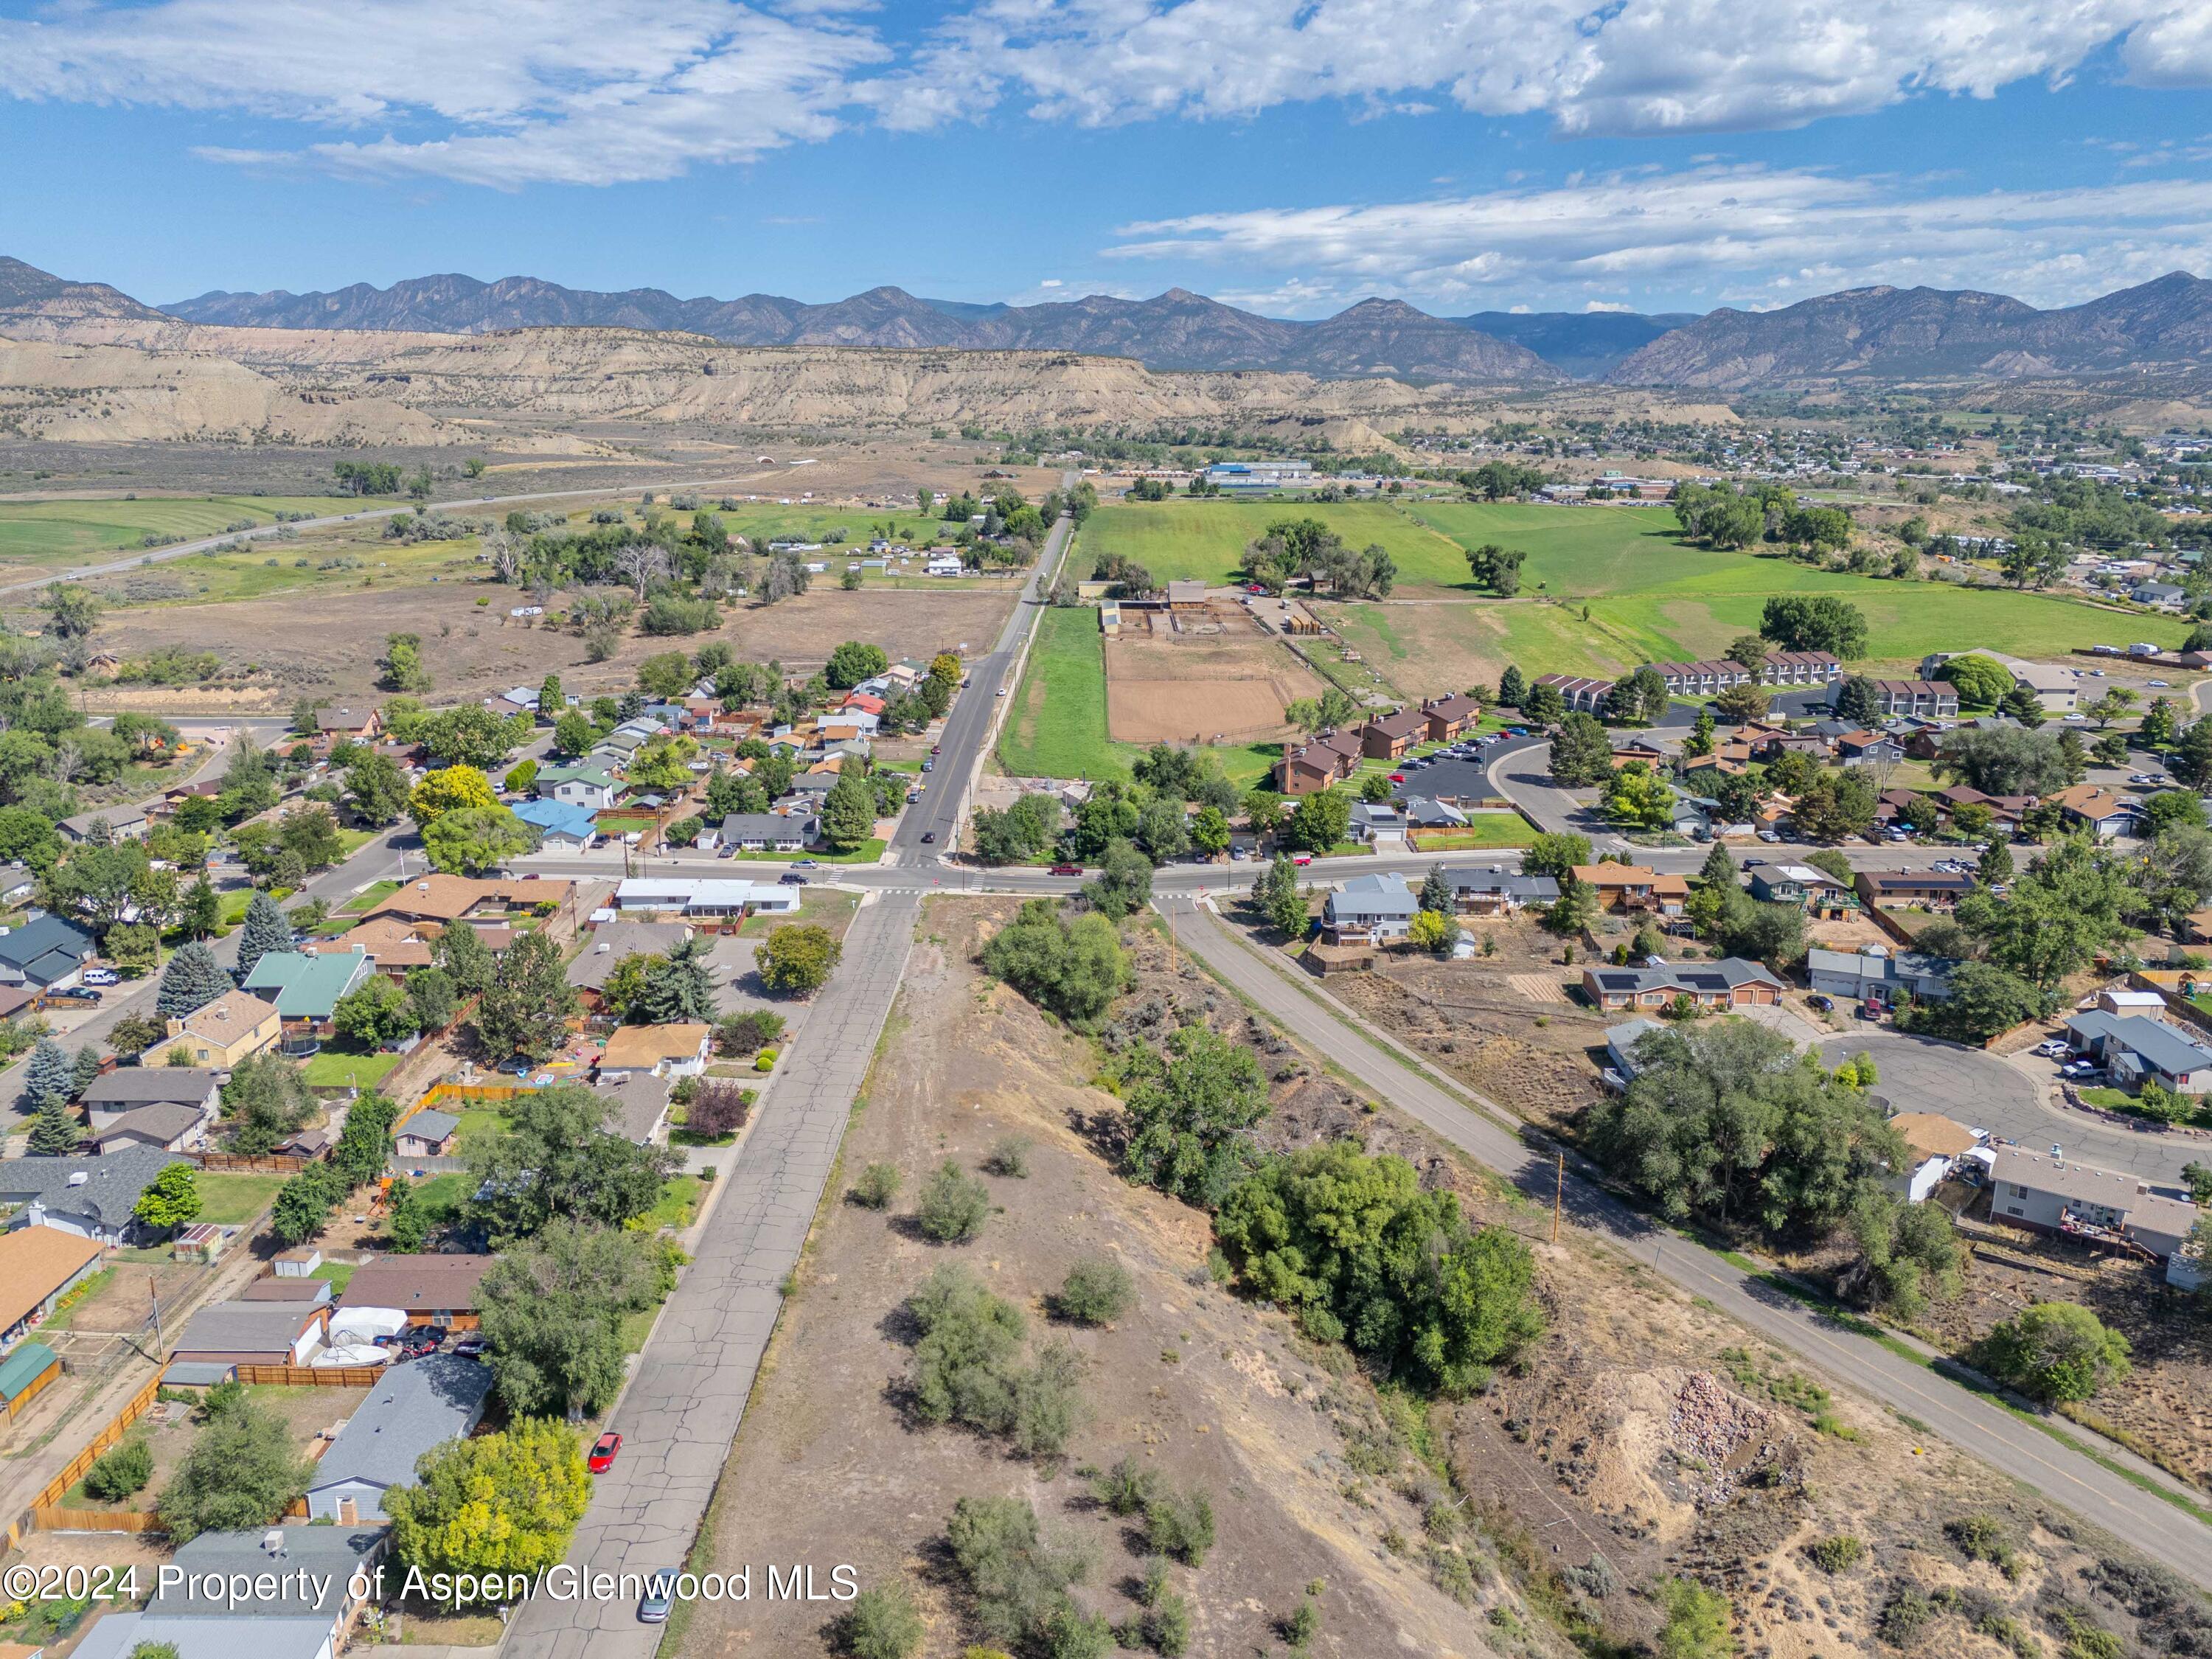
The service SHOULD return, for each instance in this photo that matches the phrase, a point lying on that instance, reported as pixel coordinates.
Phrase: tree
(1909, 1253)
(303, 1206)
(402, 665)
(506, 1503)
(665, 676)
(240, 1474)
(1073, 966)
(462, 953)
(559, 1161)
(378, 788)
(1543, 705)
(1163, 830)
(2158, 726)
(2191, 761)
(1124, 881)
(1354, 1249)
(572, 732)
(953, 1205)
(1320, 821)
(55, 1130)
(1807, 622)
(365, 1143)
(1836, 804)
(1582, 754)
(1209, 831)
(798, 958)
(1697, 1625)
(2054, 1352)
(677, 988)
(1428, 930)
(1636, 797)
(473, 840)
(2070, 903)
(50, 1077)
(551, 1310)
(881, 1624)
(201, 911)
(2114, 705)
(1639, 698)
(264, 930)
(374, 1013)
(1699, 743)
(1188, 1105)
(1555, 855)
(452, 789)
(849, 811)
(1097, 1290)
(2006, 761)
(265, 1101)
(853, 662)
(2032, 560)
(193, 978)
(1498, 568)
(1275, 891)
(1512, 688)
(1741, 702)
(525, 1008)
(469, 735)
(1982, 682)
(171, 1199)
(1858, 702)
(2022, 704)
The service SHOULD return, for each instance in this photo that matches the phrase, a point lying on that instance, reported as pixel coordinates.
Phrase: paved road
(689, 1392)
(1952, 1412)
(2006, 1097)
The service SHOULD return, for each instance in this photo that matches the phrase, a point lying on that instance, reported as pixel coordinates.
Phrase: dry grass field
(1210, 680)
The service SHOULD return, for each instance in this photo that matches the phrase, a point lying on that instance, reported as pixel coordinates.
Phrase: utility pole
(1558, 1193)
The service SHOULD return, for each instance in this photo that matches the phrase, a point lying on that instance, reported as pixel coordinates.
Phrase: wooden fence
(48, 1518)
(311, 1377)
(245, 1164)
(51, 1494)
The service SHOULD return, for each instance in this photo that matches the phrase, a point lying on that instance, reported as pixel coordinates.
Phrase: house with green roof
(307, 988)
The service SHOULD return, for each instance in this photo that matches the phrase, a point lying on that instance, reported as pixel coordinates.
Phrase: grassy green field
(231, 1200)
(1206, 538)
(1484, 829)
(340, 1064)
(65, 531)
(1057, 727)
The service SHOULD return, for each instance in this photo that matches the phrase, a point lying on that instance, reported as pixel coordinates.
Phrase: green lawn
(339, 1273)
(340, 1064)
(821, 907)
(1057, 727)
(375, 893)
(679, 1202)
(443, 1197)
(480, 1124)
(1483, 829)
(1206, 538)
(868, 852)
(67, 531)
(231, 1201)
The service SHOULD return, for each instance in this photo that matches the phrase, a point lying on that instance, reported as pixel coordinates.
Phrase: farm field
(64, 531)
(1057, 726)
(1206, 538)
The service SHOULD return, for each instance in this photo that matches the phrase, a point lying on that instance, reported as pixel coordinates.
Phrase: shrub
(1836, 1554)
(953, 1206)
(764, 1060)
(1908, 1613)
(1697, 1624)
(748, 1033)
(719, 1108)
(882, 1624)
(1302, 1626)
(2054, 1352)
(1126, 1489)
(1097, 1290)
(1010, 1156)
(121, 1473)
(877, 1186)
(1181, 1525)
(1984, 1538)
(1019, 1579)
(1165, 1626)
(965, 1368)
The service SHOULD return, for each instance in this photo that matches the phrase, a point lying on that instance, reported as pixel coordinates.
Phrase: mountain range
(1869, 334)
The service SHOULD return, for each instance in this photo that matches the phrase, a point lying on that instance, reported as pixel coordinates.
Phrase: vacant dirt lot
(1211, 679)
(330, 642)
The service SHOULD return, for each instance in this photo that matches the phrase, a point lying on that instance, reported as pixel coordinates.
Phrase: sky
(1288, 155)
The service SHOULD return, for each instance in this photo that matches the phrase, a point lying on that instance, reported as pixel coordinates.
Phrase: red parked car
(602, 1452)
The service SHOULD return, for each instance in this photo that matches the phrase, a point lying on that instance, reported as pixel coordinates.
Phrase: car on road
(1397, 777)
(2158, 684)
(1066, 869)
(1769, 834)
(928, 835)
(603, 1453)
(1302, 860)
(937, 749)
(791, 878)
(659, 1598)
(911, 796)
(929, 766)
(101, 976)
(2139, 777)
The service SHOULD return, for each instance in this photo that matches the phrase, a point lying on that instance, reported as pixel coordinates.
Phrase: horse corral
(1211, 675)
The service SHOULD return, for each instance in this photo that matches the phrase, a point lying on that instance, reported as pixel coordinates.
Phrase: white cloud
(1752, 235)
(1606, 304)
(1632, 66)
(505, 93)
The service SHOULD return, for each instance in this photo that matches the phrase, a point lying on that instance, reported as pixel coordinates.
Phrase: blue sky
(1292, 156)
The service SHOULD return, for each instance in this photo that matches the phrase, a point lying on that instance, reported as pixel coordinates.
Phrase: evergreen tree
(1995, 866)
(848, 812)
(1719, 867)
(1700, 740)
(193, 979)
(85, 1071)
(54, 1130)
(50, 1077)
(463, 954)
(677, 987)
(1512, 686)
(1436, 891)
(551, 699)
(203, 912)
(265, 930)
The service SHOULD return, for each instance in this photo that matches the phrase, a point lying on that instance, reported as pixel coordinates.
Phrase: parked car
(659, 1598)
(2158, 684)
(1823, 1003)
(101, 976)
(929, 766)
(2052, 1050)
(938, 748)
(1769, 834)
(1302, 860)
(603, 1453)
(470, 1347)
(74, 994)
(1067, 869)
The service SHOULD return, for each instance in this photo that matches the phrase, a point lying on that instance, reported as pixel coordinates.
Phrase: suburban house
(678, 1050)
(252, 1334)
(414, 1408)
(428, 1133)
(92, 1196)
(171, 1128)
(1450, 717)
(702, 897)
(127, 1088)
(1634, 887)
(1936, 1143)
(1636, 749)
(306, 988)
(1813, 891)
(45, 952)
(1377, 821)
(2136, 1050)
(218, 1035)
(1388, 736)
(430, 1290)
(1938, 888)
(1730, 983)
(561, 827)
(1369, 910)
(1800, 668)
(38, 1266)
(2104, 815)
(610, 945)
(1935, 698)
(123, 823)
(768, 832)
(312, 1573)
(1422, 813)
(2048, 1195)
(1877, 974)
(637, 1104)
(1496, 891)
(1620, 1042)
(587, 786)
(454, 898)
(354, 725)
(1581, 694)
(1868, 749)
(395, 946)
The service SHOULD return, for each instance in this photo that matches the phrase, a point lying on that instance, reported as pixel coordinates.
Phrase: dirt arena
(1212, 678)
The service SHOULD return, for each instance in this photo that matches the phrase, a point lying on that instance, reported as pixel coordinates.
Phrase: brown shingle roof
(34, 1262)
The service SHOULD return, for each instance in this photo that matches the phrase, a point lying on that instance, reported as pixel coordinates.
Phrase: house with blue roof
(2137, 1049)
(559, 825)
